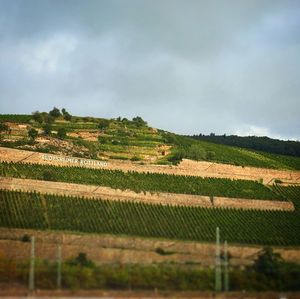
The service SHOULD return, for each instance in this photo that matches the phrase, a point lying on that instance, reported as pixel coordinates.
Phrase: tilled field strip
(186, 167)
(89, 191)
(124, 249)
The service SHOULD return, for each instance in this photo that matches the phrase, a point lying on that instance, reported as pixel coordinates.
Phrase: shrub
(103, 124)
(37, 116)
(47, 129)
(32, 133)
(61, 133)
(25, 238)
(161, 251)
(68, 117)
(136, 158)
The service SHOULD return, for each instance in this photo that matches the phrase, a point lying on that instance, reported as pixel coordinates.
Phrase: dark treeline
(266, 144)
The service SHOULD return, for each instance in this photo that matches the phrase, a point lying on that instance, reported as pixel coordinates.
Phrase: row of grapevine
(20, 118)
(139, 182)
(32, 210)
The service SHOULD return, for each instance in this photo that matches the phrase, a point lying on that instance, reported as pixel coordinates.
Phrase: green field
(139, 182)
(50, 212)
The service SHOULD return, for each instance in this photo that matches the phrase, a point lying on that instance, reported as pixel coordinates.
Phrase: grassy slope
(239, 156)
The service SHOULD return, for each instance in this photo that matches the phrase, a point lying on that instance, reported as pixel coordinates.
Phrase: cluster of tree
(193, 152)
(104, 124)
(48, 118)
(186, 148)
(137, 121)
(266, 144)
(269, 272)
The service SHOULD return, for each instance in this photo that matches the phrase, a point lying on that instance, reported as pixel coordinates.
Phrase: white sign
(82, 162)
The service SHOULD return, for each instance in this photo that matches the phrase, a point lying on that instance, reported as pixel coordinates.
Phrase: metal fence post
(31, 270)
(218, 281)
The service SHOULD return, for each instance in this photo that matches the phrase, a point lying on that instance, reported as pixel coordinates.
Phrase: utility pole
(59, 267)
(226, 274)
(31, 270)
(218, 282)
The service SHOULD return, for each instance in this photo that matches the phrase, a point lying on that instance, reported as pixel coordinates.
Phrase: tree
(32, 133)
(55, 112)
(82, 260)
(61, 133)
(139, 121)
(103, 124)
(4, 128)
(49, 119)
(268, 263)
(47, 129)
(67, 116)
(196, 152)
(37, 116)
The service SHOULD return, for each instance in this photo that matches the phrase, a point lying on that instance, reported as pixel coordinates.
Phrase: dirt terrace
(89, 191)
(122, 249)
(186, 167)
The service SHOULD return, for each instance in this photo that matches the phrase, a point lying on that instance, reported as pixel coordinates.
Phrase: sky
(186, 66)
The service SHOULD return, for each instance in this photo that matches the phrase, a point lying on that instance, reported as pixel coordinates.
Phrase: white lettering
(46, 157)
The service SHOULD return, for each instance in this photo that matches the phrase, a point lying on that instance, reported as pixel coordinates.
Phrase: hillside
(124, 139)
(143, 198)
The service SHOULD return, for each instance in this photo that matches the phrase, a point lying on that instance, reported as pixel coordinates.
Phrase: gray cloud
(185, 66)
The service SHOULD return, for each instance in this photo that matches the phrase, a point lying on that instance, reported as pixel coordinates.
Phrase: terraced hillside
(141, 179)
(124, 139)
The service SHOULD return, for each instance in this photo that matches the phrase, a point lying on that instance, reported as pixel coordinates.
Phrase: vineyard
(20, 118)
(139, 182)
(35, 211)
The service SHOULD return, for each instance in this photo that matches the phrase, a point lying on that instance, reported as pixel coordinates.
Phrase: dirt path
(186, 167)
(90, 191)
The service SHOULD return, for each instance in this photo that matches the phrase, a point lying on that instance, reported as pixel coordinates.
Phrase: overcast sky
(185, 66)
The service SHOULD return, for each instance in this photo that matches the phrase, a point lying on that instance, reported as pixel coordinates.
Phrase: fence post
(226, 274)
(59, 267)
(218, 278)
(31, 270)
